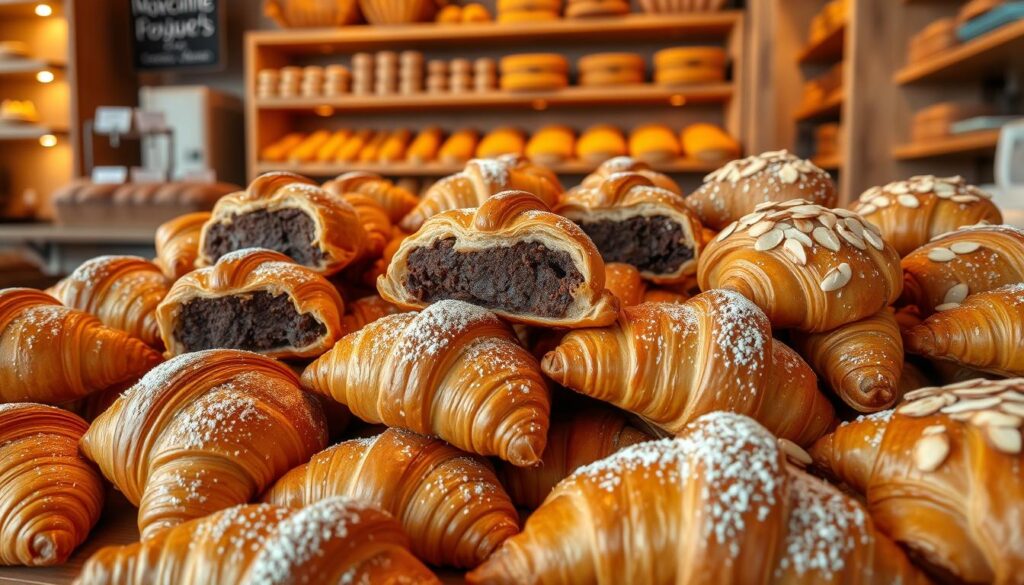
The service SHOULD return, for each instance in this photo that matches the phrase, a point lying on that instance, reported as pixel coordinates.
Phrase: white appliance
(1009, 190)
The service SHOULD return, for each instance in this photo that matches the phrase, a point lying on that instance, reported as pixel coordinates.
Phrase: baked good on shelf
(689, 65)
(334, 541)
(671, 363)
(625, 164)
(625, 282)
(18, 111)
(708, 143)
(425, 147)
(395, 200)
(278, 151)
(349, 151)
(459, 147)
(734, 190)
(808, 267)
(655, 143)
(121, 291)
(449, 503)
(503, 140)
(600, 143)
(552, 274)
(329, 149)
(289, 214)
(54, 354)
(719, 504)
(985, 331)
(510, 11)
(52, 497)
(450, 14)
(534, 72)
(970, 260)
(383, 12)
(942, 476)
(177, 244)
(475, 12)
(592, 8)
(611, 69)
(203, 432)
(307, 150)
(370, 150)
(375, 222)
(912, 212)
(681, 6)
(393, 148)
(630, 220)
(427, 371)
(551, 145)
(315, 13)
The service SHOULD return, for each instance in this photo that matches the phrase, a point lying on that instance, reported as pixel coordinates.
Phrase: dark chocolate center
(288, 231)
(258, 321)
(652, 244)
(522, 278)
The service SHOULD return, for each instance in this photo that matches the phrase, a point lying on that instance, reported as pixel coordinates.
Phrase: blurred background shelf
(321, 170)
(966, 144)
(993, 52)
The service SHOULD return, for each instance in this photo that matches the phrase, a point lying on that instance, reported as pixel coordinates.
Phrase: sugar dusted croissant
(941, 273)
(333, 541)
(717, 505)
(625, 164)
(861, 362)
(672, 363)
(453, 371)
(394, 199)
(51, 497)
(255, 300)
(986, 332)
(53, 354)
(943, 476)
(550, 272)
(737, 188)
(203, 432)
(910, 213)
(177, 244)
(807, 267)
(450, 504)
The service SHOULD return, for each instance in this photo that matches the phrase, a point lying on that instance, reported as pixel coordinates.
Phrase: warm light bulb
(44, 76)
(43, 10)
(48, 140)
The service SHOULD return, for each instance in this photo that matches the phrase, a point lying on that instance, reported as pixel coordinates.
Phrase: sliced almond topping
(941, 255)
(1004, 439)
(768, 240)
(828, 219)
(964, 199)
(795, 251)
(867, 209)
(926, 186)
(972, 405)
(760, 228)
(756, 165)
(804, 225)
(725, 233)
(996, 418)
(854, 225)
(1014, 408)
(923, 407)
(899, 188)
(921, 393)
(972, 392)
(793, 203)
(933, 430)
(956, 294)
(1013, 396)
(826, 238)
(795, 453)
(836, 278)
(788, 174)
(875, 241)
(947, 307)
(881, 202)
(944, 189)
(806, 208)
(752, 218)
(799, 236)
(853, 239)
(965, 247)
(908, 201)
(764, 205)
(930, 452)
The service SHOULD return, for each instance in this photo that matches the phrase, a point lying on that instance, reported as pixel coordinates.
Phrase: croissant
(288, 214)
(121, 291)
(453, 371)
(717, 505)
(909, 213)
(632, 221)
(970, 260)
(624, 281)
(51, 496)
(375, 222)
(53, 354)
(672, 363)
(424, 148)
(943, 475)
(574, 441)
(625, 164)
(177, 244)
(861, 362)
(395, 200)
(551, 274)
(986, 332)
(362, 312)
(333, 541)
(255, 300)
(481, 179)
(661, 295)
(203, 432)
(807, 267)
(451, 505)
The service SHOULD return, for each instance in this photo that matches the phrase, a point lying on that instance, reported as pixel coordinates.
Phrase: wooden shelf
(975, 59)
(27, 131)
(974, 143)
(27, 67)
(441, 170)
(52, 233)
(830, 108)
(25, 8)
(828, 50)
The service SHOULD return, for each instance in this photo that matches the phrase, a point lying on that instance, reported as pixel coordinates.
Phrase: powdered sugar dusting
(741, 326)
(238, 530)
(494, 172)
(430, 332)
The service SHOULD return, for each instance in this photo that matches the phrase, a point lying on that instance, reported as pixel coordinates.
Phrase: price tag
(110, 175)
(113, 120)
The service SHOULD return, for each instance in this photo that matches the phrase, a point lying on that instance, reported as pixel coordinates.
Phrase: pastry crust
(624, 281)
(395, 200)
(625, 164)
(177, 244)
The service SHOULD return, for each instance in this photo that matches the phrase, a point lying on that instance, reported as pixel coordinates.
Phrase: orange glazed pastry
(654, 143)
(600, 143)
(551, 145)
(707, 142)
(505, 140)
(395, 200)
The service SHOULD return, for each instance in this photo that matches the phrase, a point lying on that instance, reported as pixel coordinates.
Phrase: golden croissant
(177, 244)
(943, 475)
(625, 164)
(50, 497)
(672, 363)
(395, 200)
(362, 312)
(807, 267)
(717, 505)
(203, 432)
(333, 541)
(450, 504)
(121, 291)
(624, 281)
(375, 223)
(52, 354)
(453, 370)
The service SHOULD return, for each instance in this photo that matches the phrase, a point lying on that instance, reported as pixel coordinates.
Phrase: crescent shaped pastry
(177, 244)
(625, 164)
(395, 200)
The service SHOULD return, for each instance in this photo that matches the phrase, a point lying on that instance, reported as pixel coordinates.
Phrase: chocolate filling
(257, 322)
(288, 231)
(651, 244)
(522, 278)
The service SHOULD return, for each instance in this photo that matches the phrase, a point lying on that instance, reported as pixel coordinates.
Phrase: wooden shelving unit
(991, 53)
(959, 145)
(830, 108)
(827, 50)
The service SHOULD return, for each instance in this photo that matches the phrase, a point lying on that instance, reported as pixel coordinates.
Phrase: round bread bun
(533, 81)
(605, 62)
(689, 76)
(588, 8)
(607, 78)
(685, 57)
(534, 63)
(554, 6)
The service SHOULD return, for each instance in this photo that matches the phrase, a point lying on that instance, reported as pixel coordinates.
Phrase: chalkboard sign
(177, 34)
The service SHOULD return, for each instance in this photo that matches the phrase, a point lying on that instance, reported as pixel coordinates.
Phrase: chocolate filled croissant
(672, 363)
(203, 432)
(941, 273)
(177, 244)
(630, 220)
(910, 213)
(333, 541)
(255, 300)
(51, 496)
(450, 504)
(512, 256)
(453, 370)
(52, 354)
(395, 200)
(717, 505)
(625, 164)
(288, 214)
(121, 291)
(943, 475)
(736, 189)
(861, 362)
(807, 267)
(986, 332)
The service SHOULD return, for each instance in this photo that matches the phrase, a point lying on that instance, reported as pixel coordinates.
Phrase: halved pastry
(625, 164)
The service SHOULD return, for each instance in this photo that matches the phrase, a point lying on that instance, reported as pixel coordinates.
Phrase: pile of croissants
(347, 383)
